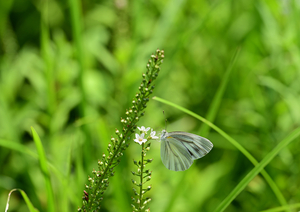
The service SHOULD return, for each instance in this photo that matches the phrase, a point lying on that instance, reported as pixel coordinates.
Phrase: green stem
(105, 171)
(104, 175)
(45, 46)
(76, 22)
(141, 177)
(76, 31)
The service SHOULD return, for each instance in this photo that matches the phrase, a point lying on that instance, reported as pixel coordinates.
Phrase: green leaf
(44, 168)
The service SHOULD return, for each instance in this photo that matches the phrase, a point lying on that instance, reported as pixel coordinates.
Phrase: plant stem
(141, 177)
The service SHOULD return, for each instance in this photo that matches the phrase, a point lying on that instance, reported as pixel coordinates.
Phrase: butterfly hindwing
(174, 155)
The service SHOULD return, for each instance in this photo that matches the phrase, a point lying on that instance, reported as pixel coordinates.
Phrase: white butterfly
(179, 149)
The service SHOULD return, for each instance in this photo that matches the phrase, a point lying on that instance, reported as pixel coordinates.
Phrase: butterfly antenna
(165, 120)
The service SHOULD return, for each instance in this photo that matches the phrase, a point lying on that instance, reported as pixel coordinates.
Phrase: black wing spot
(189, 151)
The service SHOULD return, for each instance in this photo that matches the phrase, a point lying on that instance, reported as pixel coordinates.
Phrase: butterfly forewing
(196, 145)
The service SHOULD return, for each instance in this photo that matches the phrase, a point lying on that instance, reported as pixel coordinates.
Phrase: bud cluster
(99, 182)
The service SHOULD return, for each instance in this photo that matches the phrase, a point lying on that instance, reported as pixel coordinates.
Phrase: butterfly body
(179, 149)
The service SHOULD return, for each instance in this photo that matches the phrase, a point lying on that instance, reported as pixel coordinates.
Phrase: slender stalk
(140, 203)
(76, 21)
(76, 31)
(104, 174)
(141, 177)
(45, 48)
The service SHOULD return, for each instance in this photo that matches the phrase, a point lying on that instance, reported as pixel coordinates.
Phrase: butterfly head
(163, 134)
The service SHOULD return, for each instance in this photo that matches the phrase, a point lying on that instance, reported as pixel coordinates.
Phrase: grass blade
(25, 197)
(286, 207)
(44, 168)
(45, 50)
(214, 107)
(17, 147)
(258, 168)
(76, 22)
(267, 177)
(26, 151)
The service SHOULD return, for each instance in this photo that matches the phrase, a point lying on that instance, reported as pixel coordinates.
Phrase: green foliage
(70, 68)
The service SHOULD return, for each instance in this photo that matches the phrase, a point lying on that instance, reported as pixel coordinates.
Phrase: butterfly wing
(196, 145)
(174, 155)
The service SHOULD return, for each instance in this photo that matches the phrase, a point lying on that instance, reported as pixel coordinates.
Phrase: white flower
(152, 134)
(142, 129)
(140, 138)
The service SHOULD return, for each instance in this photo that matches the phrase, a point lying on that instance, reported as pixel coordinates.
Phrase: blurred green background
(70, 69)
